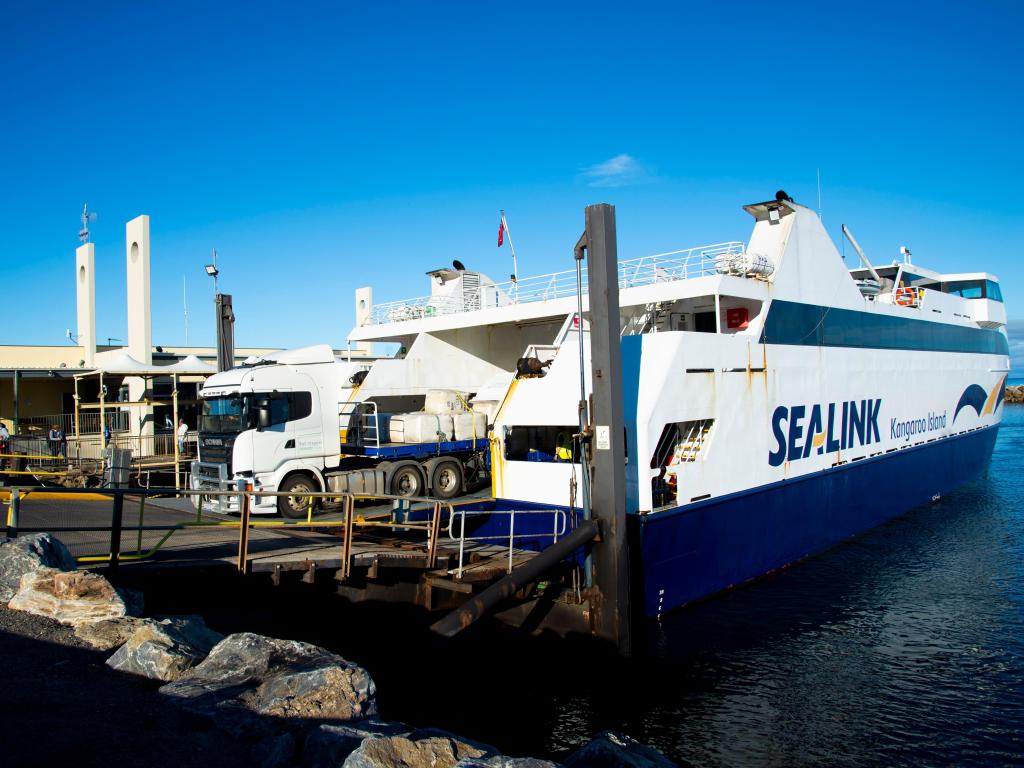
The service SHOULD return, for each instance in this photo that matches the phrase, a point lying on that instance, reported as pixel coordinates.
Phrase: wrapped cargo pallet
(444, 401)
(421, 427)
(470, 426)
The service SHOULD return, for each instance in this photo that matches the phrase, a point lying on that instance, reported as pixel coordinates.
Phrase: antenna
(184, 304)
(71, 337)
(86, 217)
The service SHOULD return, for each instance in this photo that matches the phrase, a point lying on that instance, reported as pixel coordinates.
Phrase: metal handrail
(356, 408)
(670, 266)
(558, 515)
(350, 521)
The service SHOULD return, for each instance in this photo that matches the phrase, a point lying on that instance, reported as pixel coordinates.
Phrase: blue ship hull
(694, 551)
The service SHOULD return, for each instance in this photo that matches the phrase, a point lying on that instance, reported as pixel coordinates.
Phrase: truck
(292, 422)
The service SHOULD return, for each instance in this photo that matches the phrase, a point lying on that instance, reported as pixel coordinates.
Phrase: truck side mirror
(263, 419)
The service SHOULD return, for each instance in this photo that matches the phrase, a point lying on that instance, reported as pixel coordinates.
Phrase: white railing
(647, 270)
(559, 523)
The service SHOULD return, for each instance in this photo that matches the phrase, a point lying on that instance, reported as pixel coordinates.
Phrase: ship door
(704, 322)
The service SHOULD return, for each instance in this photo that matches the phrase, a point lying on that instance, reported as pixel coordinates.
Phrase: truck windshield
(225, 414)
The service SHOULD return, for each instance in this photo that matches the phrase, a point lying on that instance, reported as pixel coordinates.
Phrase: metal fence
(100, 528)
(91, 446)
(688, 263)
(88, 422)
(107, 531)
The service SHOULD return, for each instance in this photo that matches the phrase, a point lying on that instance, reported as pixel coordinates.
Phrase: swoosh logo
(975, 397)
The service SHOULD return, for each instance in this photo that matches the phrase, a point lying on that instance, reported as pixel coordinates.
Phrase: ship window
(541, 443)
(974, 289)
(910, 280)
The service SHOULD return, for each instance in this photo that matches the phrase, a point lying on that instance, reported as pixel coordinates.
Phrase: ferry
(776, 401)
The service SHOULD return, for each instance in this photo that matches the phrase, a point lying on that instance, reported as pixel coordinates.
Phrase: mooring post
(608, 450)
(243, 526)
(13, 513)
(115, 530)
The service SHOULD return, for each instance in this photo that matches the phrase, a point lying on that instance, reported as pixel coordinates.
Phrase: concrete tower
(140, 331)
(85, 288)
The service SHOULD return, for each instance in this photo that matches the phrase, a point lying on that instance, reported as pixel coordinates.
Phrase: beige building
(38, 383)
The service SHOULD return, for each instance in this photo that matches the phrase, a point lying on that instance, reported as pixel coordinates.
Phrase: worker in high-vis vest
(563, 447)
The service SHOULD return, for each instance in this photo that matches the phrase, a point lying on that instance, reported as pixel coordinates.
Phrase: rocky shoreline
(268, 701)
(1015, 394)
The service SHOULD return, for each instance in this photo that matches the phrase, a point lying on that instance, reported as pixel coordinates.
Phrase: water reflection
(903, 646)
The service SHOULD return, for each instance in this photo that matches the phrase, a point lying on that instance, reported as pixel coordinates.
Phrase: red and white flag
(501, 232)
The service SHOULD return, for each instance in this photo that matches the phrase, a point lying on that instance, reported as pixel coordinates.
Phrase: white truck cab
(274, 423)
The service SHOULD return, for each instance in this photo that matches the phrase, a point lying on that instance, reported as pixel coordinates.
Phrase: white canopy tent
(122, 365)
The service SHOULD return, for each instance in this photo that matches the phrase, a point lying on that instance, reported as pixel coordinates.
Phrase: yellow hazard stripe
(53, 496)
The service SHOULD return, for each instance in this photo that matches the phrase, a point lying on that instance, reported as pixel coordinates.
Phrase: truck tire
(446, 479)
(407, 480)
(295, 506)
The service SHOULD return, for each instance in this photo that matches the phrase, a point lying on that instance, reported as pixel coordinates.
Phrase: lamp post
(225, 320)
(212, 271)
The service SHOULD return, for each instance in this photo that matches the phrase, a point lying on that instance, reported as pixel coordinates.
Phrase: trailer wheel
(446, 479)
(296, 505)
(407, 481)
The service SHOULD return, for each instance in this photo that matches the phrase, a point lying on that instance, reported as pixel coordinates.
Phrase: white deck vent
(470, 291)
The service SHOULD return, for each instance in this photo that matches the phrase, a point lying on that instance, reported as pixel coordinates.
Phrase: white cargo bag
(444, 401)
(466, 423)
(421, 428)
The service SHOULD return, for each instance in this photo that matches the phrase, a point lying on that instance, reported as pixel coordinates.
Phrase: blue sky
(324, 148)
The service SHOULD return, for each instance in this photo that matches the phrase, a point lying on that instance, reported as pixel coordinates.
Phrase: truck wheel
(296, 505)
(446, 479)
(407, 481)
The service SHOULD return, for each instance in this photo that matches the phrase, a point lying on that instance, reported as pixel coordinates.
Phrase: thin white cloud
(618, 171)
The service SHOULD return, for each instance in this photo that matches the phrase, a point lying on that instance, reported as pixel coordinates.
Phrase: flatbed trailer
(442, 468)
(415, 450)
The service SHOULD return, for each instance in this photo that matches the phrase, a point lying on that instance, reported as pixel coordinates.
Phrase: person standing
(53, 438)
(5, 444)
(182, 435)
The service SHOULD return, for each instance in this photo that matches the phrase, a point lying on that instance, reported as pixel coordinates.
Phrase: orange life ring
(906, 297)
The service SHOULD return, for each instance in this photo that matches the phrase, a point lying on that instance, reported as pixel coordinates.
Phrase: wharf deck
(274, 546)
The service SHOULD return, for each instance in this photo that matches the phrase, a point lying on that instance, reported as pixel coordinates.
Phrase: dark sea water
(904, 646)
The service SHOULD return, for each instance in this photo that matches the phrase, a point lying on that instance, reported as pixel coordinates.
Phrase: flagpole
(515, 266)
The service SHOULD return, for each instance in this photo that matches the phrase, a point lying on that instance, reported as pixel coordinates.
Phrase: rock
(274, 751)
(250, 673)
(1015, 394)
(26, 554)
(615, 750)
(327, 746)
(503, 761)
(73, 598)
(134, 600)
(108, 634)
(164, 649)
(424, 748)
